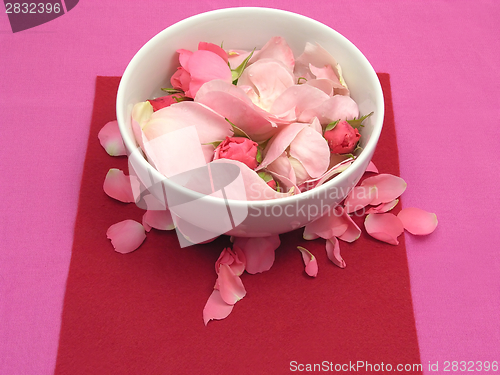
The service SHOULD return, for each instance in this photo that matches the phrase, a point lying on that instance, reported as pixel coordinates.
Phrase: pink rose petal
(371, 168)
(117, 185)
(158, 219)
(389, 187)
(333, 252)
(216, 308)
(126, 236)
(230, 286)
(337, 107)
(311, 149)
(235, 259)
(205, 66)
(331, 224)
(277, 49)
(384, 227)
(213, 48)
(383, 207)
(309, 261)
(259, 252)
(360, 197)
(417, 221)
(297, 99)
(111, 139)
(352, 232)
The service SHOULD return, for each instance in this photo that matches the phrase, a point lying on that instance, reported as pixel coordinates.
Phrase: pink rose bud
(342, 139)
(238, 148)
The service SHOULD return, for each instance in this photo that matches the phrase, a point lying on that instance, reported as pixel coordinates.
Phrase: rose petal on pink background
(216, 308)
(371, 168)
(384, 227)
(331, 224)
(158, 219)
(333, 252)
(389, 187)
(111, 139)
(117, 186)
(417, 221)
(359, 197)
(310, 262)
(230, 286)
(383, 207)
(126, 236)
(259, 252)
(311, 149)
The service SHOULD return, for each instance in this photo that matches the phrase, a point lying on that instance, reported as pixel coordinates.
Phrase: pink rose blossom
(342, 139)
(238, 148)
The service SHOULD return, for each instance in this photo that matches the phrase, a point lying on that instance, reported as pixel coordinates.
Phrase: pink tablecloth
(443, 61)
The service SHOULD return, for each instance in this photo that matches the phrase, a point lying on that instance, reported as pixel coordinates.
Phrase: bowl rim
(365, 154)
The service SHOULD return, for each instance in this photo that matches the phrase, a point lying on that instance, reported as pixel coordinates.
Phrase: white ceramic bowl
(246, 28)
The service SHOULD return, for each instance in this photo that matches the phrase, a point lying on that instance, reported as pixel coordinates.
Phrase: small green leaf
(237, 131)
(331, 125)
(236, 73)
(171, 90)
(356, 123)
(259, 155)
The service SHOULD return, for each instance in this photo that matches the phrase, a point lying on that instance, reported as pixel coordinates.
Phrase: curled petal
(417, 221)
(384, 227)
(230, 286)
(331, 224)
(117, 185)
(111, 139)
(389, 187)
(126, 236)
(360, 197)
(352, 232)
(383, 207)
(311, 149)
(276, 48)
(158, 219)
(213, 48)
(259, 252)
(333, 252)
(234, 259)
(310, 262)
(216, 308)
(371, 168)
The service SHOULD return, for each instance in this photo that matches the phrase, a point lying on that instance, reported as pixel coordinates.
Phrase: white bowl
(246, 28)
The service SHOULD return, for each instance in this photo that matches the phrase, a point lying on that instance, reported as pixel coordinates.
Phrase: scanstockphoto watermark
(25, 15)
(354, 366)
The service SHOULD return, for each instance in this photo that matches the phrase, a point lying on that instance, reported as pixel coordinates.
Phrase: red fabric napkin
(141, 313)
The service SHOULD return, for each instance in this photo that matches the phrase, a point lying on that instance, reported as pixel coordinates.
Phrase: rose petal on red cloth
(126, 236)
(333, 252)
(117, 185)
(331, 224)
(382, 207)
(310, 262)
(371, 168)
(384, 227)
(158, 219)
(389, 187)
(259, 252)
(352, 232)
(230, 286)
(359, 197)
(111, 139)
(216, 308)
(417, 221)
(235, 259)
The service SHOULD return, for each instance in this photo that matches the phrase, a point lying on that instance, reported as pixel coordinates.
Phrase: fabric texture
(142, 312)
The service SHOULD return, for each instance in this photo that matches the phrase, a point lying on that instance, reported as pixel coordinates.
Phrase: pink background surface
(443, 60)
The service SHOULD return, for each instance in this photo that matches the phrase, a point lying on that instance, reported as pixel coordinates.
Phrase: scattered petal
(383, 207)
(117, 185)
(352, 232)
(126, 236)
(158, 219)
(384, 227)
(333, 252)
(360, 197)
(331, 224)
(389, 187)
(111, 139)
(417, 221)
(235, 259)
(216, 308)
(259, 252)
(371, 168)
(230, 286)
(310, 262)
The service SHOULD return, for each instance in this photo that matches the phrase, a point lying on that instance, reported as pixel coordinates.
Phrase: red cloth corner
(141, 313)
